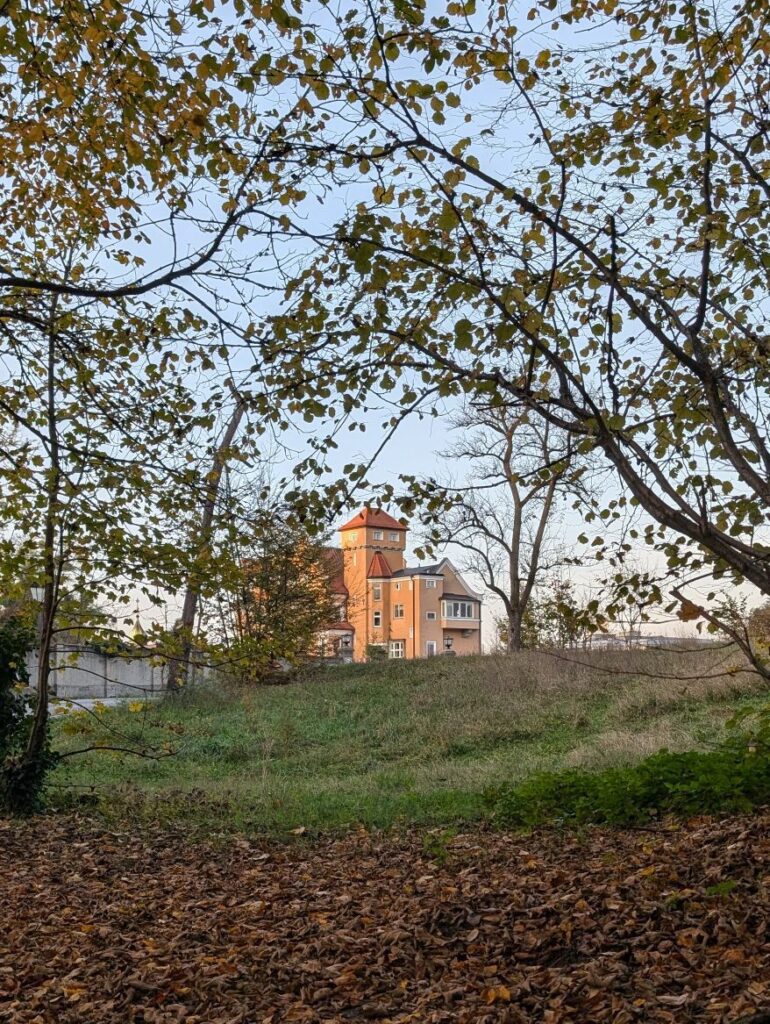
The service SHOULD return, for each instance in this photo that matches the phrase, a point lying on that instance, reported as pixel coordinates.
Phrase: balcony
(450, 622)
(460, 612)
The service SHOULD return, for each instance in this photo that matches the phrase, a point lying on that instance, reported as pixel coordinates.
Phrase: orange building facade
(386, 607)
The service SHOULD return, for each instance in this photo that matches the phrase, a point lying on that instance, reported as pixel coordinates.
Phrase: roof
(438, 569)
(372, 517)
(420, 570)
(378, 567)
(339, 626)
(463, 597)
(335, 567)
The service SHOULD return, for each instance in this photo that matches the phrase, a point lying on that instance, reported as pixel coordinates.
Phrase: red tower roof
(378, 567)
(373, 517)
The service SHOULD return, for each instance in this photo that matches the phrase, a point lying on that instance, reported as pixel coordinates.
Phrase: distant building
(387, 608)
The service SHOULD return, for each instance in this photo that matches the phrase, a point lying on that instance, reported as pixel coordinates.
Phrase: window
(398, 586)
(430, 616)
(430, 584)
(448, 641)
(397, 648)
(458, 610)
(377, 591)
(393, 535)
(430, 648)
(398, 611)
(352, 536)
(377, 534)
(377, 619)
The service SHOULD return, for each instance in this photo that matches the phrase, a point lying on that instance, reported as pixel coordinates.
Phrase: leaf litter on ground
(668, 925)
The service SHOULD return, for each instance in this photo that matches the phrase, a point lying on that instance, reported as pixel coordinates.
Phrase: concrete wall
(89, 674)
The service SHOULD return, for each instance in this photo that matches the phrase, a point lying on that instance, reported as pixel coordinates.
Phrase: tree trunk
(32, 766)
(179, 668)
(514, 630)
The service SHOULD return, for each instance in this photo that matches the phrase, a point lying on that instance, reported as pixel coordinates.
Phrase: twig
(122, 750)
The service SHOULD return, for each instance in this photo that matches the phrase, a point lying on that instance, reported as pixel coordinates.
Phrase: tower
(373, 545)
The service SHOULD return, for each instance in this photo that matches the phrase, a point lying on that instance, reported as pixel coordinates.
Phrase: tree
(532, 637)
(518, 470)
(97, 508)
(758, 630)
(154, 136)
(132, 180)
(179, 666)
(565, 622)
(283, 600)
(598, 214)
(554, 618)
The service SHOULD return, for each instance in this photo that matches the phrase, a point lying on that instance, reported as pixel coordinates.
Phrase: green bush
(376, 652)
(16, 639)
(730, 779)
(21, 780)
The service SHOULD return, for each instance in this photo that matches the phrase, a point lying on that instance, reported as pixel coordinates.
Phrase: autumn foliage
(634, 927)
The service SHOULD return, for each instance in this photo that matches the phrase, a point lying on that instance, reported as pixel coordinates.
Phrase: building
(386, 606)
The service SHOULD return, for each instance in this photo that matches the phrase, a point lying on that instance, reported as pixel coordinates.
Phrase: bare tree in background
(518, 470)
(179, 668)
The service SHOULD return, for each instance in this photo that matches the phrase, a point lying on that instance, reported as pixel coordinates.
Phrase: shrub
(15, 640)
(20, 782)
(730, 779)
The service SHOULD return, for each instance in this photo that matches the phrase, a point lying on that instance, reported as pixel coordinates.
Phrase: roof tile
(372, 517)
(378, 567)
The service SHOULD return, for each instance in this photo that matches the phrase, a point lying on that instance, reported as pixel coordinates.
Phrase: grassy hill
(397, 742)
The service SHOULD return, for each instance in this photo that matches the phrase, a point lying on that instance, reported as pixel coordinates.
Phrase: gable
(454, 583)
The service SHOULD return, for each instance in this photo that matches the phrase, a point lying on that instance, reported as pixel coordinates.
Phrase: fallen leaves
(612, 926)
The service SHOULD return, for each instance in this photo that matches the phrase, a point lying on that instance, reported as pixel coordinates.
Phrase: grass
(396, 742)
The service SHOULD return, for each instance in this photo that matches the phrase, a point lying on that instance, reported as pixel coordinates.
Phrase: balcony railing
(450, 622)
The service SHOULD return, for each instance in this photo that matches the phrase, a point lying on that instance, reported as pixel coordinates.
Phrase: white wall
(83, 673)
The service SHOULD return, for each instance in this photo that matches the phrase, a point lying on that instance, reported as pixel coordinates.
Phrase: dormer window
(377, 535)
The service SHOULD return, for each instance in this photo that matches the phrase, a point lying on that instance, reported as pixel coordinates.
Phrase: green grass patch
(394, 742)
